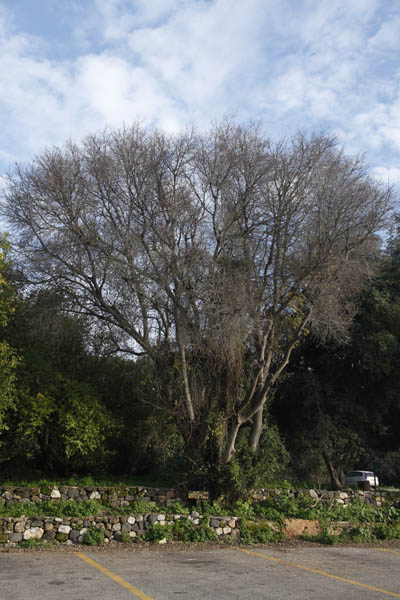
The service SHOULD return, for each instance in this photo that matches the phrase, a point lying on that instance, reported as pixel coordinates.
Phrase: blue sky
(70, 67)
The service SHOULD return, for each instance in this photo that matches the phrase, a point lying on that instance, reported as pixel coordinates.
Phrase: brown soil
(190, 547)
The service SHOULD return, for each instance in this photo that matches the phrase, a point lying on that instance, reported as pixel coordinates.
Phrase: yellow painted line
(387, 550)
(324, 573)
(134, 590)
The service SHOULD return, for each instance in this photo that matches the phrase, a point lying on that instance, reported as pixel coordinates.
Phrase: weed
(269, 513)
(184, 530)
(142, 506)
(258, 532)
(63, 508)
(326, 537)
(218, 507)
(242, 509)
(93, 536)
(176, 508)
(158, 532)
(32, 543)
(388, 532)
(204, 533)
(363, 533)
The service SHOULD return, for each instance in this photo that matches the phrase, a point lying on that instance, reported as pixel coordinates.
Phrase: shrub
(242, 508)
(204, 533)
(258, 532)
(63, 508)
(326, 537)
(388, 532)
(158, 532)
(176, 508)
(93, 537)
(143, 506)
(184, 530)
(363, 533)
(217, 507)
(269, 513)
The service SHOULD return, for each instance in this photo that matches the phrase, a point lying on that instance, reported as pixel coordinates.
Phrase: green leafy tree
(340, 404)
(56, 419)
(8, 356)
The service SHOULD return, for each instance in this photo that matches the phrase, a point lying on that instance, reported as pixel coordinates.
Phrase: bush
(241, 508)
(93, 537)
(184, 530)
(247, 470)
(176, 508)
(158, 532)
(388, 532)
(140, 506)
(281, 505)
(204, 533)
(63, 508)
(363, 533)
(258, 532)
(326, 537)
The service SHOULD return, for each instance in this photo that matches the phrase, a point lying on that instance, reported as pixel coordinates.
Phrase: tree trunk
(335, 481)
(256, 429)
(229, 449)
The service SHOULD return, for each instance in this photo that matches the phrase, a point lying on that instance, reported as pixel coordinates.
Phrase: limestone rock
(64, 529)
(95, 495)
(294, 528)
(33, 533)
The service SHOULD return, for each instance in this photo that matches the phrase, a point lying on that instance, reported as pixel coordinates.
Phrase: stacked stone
(225, 526)
(347, 497)
(325, 496)
(111, 496)
(71, 530)
(115, 497)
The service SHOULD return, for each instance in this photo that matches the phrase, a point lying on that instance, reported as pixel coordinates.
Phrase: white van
(353, 478)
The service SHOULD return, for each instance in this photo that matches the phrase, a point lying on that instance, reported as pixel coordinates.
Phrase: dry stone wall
(327, 497)
(123, 496)
(109, 496)
(71, 530)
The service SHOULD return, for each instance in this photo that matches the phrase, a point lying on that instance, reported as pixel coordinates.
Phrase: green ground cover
(259, 520)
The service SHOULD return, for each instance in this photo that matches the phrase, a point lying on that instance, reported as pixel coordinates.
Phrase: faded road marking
(134, 590)
(387, 550)
(324, 573)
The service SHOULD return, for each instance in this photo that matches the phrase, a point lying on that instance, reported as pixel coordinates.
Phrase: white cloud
(294, 64)
(387, 174)
(387, 37)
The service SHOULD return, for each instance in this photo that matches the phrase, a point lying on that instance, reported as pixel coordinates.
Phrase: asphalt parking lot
(230, 573)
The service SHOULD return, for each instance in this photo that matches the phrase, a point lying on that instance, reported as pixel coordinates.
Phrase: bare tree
(223, 249)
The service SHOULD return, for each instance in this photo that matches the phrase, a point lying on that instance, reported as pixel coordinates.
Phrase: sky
(72, 67)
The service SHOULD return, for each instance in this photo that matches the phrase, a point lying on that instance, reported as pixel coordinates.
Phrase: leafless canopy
(225, 248)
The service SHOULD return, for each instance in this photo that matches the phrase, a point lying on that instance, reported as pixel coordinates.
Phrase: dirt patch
(116, 547)
(295, 528)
